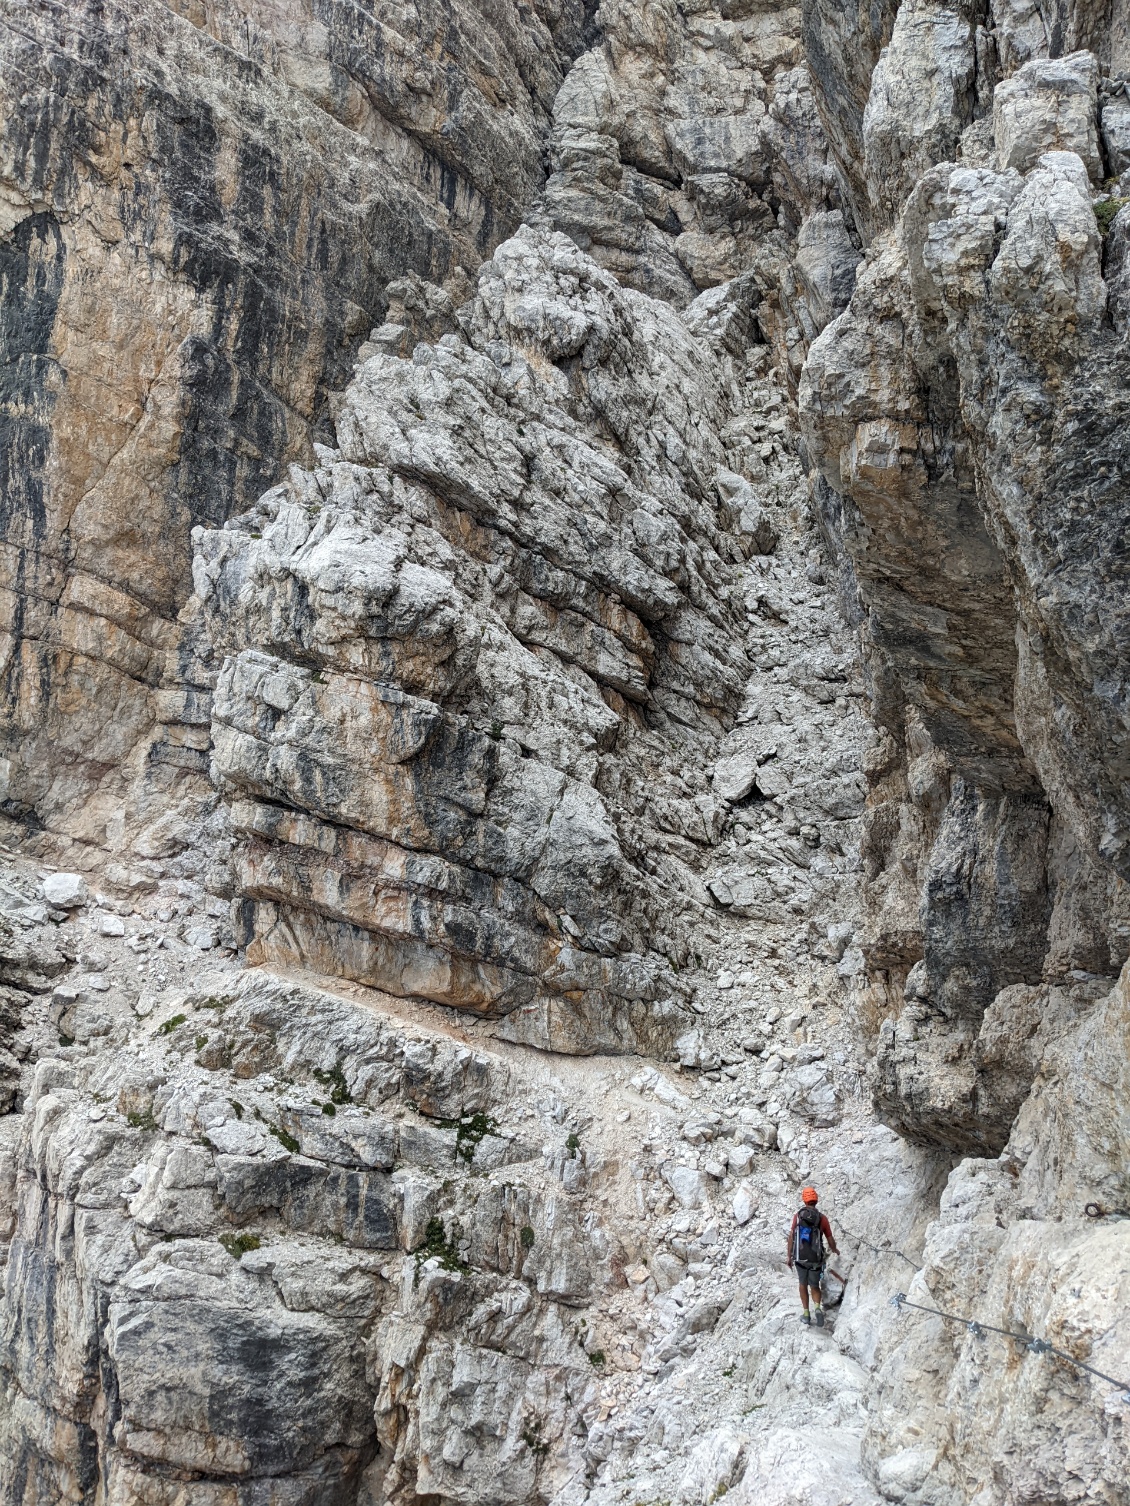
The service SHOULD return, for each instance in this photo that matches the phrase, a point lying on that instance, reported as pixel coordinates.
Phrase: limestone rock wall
(202, 206)
(967, 406)
(414, 580)
(964, 416)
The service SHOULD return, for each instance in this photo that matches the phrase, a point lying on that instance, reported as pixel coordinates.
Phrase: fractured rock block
(1049, 105)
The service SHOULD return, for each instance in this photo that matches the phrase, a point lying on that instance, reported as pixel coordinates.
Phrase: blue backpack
(808, 1239)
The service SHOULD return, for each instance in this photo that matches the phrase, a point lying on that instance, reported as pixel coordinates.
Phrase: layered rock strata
(461, 667)
(202, 206)
(523, 713)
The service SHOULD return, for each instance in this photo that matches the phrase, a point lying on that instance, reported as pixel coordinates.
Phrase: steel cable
(1033, 1345)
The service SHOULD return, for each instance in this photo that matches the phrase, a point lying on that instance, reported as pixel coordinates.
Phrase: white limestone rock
(66, 891)
(1050, 104)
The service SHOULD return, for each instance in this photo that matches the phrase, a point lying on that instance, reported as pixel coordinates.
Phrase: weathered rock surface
(192, 1320)
(964, 414)
(985, 525)
(420, 648)
(461, 667)
(202, 208)
(686, 142)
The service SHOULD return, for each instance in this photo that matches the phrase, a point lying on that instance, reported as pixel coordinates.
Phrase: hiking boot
(820, 1317)
(805, 1318)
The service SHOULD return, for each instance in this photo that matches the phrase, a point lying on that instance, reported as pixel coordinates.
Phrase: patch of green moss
(237, 1245)
(527, 1238)
(170, 1025)
(287, 1141)
(573, 1145)
(237, 1108)
(437, 1245)
(141, 1119)
(328, 1108)
(334, 1079)
(468, 1132)
(211, 1003)
(66, 1040)
(1106, 211)
(596, 1357)
(201, 1042)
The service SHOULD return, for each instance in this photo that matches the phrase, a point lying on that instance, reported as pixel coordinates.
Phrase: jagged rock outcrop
(965, 416)
(967, 404)
(451, 664)
(684, 141)
(195, 1324)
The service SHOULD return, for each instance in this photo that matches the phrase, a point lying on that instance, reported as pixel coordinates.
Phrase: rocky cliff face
(566, 592)
(963, 415)
(203, 207)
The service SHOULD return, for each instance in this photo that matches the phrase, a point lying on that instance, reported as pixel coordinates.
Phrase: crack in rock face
(565, 645)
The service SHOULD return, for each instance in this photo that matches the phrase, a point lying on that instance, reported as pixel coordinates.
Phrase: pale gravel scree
(565, 651)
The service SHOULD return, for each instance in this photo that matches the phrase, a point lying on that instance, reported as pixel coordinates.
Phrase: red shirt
(825, 1229)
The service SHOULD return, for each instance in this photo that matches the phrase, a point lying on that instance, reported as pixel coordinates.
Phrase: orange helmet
(809, 1195)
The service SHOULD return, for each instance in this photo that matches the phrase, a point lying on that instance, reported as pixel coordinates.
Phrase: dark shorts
(809, 1275)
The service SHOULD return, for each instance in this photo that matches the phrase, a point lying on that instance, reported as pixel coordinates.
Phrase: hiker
(807, 1238)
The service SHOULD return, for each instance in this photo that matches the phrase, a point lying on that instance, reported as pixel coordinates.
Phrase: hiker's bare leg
(804, 1296)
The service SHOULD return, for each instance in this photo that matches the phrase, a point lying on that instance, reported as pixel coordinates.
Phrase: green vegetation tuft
(237, 1245)
(437, 1245)
(201, 1042)
(1106, 211)
(237, 1108)
(573, 1145)
(328, 1108)
(141, 1119)
(288, 1142)
(334, 1079)
(527, 1238)
(170, 1025)
(596, 1357)
(468, 1132)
